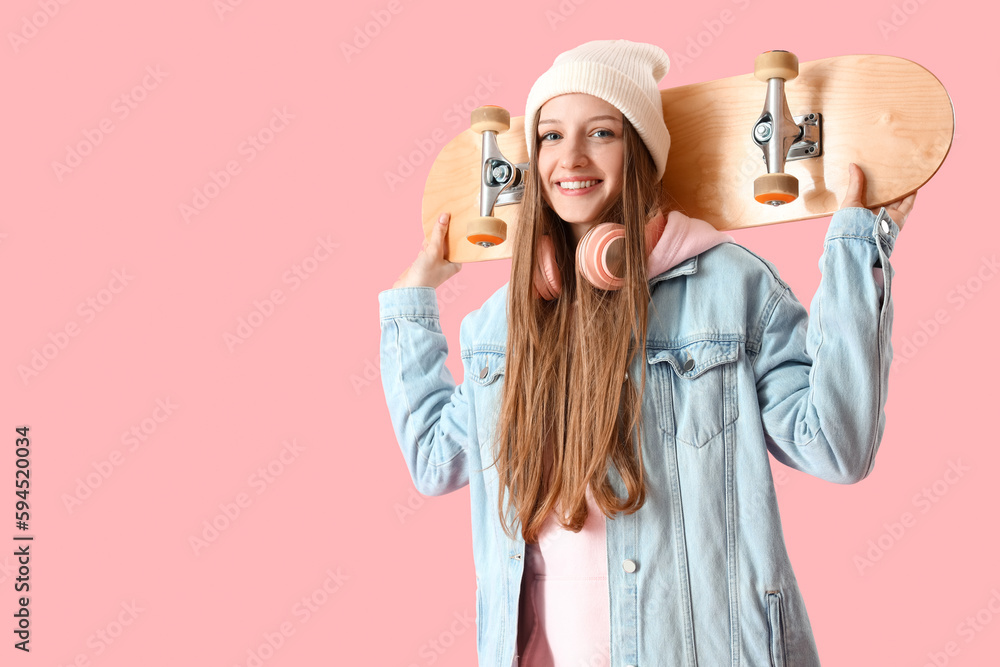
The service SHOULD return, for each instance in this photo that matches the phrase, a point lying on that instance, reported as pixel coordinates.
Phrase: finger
(856, 187)
(906, 205)
(900, 209)
(440, 231)
(433, 236)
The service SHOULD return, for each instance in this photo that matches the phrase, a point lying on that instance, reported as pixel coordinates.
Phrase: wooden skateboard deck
(887, 114)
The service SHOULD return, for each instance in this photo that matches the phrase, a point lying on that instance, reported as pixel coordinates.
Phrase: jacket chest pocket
(485, 369)
(702, 388)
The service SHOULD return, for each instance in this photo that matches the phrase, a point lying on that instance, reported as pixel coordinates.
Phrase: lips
(578, 184)
(577, 188)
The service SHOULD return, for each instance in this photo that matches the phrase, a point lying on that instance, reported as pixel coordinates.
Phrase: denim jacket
(735, 368)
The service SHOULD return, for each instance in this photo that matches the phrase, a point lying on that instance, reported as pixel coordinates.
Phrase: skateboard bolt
(763, 131)
(501, 173)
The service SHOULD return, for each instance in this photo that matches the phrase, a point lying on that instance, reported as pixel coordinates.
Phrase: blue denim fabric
(736, 368)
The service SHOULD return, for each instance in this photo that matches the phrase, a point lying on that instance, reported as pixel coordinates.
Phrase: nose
(574, 153)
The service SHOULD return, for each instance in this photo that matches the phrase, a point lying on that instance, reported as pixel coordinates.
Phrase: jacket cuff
(861, 223)
(408, 302)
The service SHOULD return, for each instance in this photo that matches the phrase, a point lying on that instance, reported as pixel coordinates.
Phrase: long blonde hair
(567, 408)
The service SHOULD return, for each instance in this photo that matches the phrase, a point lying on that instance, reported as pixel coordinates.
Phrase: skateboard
(731, 163)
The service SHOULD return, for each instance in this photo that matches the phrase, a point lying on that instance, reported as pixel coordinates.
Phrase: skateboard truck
(501, 183)
(780, 136)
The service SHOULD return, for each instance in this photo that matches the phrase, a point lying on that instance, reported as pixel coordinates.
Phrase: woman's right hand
(856, 197)
(430, 268)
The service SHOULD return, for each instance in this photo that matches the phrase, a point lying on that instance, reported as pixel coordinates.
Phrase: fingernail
(443, 219)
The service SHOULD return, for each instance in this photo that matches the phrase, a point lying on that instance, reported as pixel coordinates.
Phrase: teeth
(576, 185)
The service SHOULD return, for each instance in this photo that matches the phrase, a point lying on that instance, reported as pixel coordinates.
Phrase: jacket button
(629, 565)
(688, 365)
(483, 372)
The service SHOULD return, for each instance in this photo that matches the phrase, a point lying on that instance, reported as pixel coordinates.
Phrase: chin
(577, 218)
(580, 222)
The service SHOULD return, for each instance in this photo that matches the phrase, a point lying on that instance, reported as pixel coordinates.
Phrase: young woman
(622, 392)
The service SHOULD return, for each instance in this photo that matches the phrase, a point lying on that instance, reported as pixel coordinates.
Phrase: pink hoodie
(564, 615)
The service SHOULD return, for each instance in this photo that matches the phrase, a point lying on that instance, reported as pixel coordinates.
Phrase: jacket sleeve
(822, 377)
(429, 413)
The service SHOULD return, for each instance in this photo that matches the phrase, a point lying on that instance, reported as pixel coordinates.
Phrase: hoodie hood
(679, 237)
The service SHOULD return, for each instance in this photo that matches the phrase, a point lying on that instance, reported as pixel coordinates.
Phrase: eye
(550, 134)
(607, 133)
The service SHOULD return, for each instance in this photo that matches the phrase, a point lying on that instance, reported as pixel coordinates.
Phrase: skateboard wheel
(490, 117)
(776, 189)
(486, 232)
(780, 64)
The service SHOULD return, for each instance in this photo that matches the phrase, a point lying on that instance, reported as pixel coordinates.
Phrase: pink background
(332, 557)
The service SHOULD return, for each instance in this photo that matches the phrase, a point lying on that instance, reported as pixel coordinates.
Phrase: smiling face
(580, 158)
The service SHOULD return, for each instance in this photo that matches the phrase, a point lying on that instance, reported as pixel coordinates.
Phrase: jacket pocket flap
(693, 359)
(484, 366)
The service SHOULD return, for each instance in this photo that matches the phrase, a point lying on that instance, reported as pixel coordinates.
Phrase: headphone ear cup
(592, 255)
(548, 281)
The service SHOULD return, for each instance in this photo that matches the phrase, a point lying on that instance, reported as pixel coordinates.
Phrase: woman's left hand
(856, 196)
(430, 268)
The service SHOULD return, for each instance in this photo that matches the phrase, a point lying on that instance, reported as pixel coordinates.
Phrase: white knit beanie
(622, 73)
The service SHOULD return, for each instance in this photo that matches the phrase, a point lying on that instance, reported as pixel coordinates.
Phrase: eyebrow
(589, 120)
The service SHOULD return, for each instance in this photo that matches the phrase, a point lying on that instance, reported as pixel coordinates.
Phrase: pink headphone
(592, 254)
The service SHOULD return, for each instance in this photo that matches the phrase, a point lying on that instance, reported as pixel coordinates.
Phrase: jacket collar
(688, 266)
